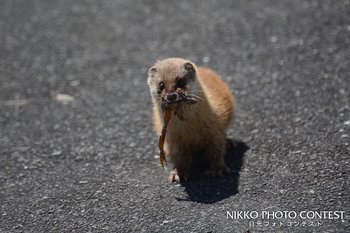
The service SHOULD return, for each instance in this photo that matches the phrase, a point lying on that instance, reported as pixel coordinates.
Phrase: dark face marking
(181, 83)
(161, 87)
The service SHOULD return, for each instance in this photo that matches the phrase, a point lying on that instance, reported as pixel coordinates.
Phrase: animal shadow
(211, 190)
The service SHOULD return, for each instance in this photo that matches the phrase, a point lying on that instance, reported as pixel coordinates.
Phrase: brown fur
(205, 124)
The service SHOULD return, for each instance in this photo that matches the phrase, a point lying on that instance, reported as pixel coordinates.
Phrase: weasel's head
(173, 81)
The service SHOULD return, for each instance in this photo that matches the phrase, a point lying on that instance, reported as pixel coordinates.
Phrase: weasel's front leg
(182, 163)
(215, 153)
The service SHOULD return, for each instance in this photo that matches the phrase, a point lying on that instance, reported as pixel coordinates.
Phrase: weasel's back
(218, 95)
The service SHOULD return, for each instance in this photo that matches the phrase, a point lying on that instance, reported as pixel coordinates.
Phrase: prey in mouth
(174, 100)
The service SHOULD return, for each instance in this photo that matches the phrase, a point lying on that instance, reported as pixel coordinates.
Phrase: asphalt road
(77, 149)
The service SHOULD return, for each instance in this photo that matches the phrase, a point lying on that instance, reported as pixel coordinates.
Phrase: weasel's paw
(217, 172)
(174, 176)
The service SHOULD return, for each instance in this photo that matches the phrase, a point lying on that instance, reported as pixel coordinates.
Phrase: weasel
(195, 128)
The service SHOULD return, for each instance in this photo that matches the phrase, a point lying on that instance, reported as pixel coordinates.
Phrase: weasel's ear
(190, 71)
(152, 71)
(188, 66)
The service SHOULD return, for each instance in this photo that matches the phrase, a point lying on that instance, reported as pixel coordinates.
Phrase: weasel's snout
(172, 97)
(171, 100)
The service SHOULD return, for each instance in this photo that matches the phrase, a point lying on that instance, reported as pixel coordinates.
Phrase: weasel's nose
(171, 97)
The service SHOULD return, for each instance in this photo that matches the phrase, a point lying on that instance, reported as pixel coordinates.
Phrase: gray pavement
(77, 149)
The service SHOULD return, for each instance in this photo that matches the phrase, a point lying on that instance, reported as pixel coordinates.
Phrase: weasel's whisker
(197, 91)
(197, 97)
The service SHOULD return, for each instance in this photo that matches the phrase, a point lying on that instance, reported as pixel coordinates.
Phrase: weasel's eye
(161, 86)
(181, 83)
